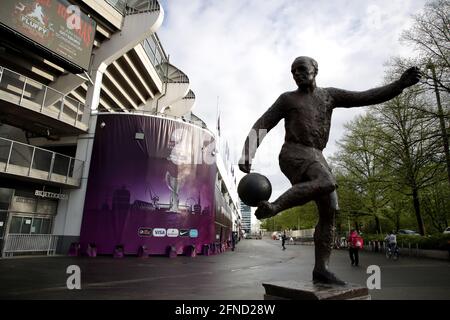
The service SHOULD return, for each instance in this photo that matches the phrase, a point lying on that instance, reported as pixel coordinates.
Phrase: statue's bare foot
(326, 277)
(265, 210)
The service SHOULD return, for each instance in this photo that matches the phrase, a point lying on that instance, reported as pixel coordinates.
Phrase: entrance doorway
(30, 225)
(3, 222)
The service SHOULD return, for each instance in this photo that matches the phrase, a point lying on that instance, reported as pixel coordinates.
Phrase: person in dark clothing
(283, 240)
(233, 240)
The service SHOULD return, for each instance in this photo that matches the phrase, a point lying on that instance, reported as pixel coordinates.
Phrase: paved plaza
(229, 276)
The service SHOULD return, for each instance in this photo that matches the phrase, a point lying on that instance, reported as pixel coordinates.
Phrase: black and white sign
(184, 233)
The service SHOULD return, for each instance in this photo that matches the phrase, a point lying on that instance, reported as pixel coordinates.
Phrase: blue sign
(193, 233)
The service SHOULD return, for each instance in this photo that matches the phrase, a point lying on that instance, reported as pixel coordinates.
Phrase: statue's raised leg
(320, 183)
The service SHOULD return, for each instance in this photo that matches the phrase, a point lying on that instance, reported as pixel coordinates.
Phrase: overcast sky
(241, 51)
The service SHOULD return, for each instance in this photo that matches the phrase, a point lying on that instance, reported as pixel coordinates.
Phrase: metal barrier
(141, 6)
(119, 5)
(23, 91)
(156, 54)
(23, 243)
(29, 161)
(163, 115)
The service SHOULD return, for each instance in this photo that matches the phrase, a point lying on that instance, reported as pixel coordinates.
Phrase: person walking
(233, 240)
(283, 240)
(355, 244)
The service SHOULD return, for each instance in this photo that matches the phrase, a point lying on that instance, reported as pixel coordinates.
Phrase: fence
(30, 161)
(119, 5)
(156, 54)
(141, 6)
(23, 91)
(29, 243)
(408, 249)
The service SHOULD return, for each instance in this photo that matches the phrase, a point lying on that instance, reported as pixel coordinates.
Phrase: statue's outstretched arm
(348, 99)
(256, 135)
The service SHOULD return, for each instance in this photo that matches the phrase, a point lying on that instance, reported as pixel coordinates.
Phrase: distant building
(256, 225)
(246, 213)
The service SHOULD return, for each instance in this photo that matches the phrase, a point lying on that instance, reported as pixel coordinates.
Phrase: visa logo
(159, 232)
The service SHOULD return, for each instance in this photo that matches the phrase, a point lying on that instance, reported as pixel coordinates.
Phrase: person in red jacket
(355, 242)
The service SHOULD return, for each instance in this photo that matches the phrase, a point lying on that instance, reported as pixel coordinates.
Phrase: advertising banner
(54, 24)
(155, 191)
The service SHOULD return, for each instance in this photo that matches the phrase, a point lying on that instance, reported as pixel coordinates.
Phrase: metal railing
(199, 124)
(30, 161)
(177, 77)
(172, 74)
(156, 55)
(23, 91)
(119, 5)
(141, 6)
(22, 243)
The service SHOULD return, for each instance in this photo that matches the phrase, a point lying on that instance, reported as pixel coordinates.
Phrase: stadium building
(99, 146)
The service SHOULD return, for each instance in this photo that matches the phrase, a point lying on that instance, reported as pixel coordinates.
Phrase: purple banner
(151, 182)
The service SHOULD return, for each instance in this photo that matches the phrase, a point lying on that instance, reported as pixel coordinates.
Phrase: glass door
(30, 225)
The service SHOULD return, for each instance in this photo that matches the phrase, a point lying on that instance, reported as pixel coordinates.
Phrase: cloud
(241, 52)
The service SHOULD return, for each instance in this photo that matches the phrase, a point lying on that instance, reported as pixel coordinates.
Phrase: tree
(358, 161)
(410, 147)
(430, 37)
(436, 204)
(303, 217)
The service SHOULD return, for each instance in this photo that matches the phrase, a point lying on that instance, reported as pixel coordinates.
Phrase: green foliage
(374, 237)
(304, 217)
(435, 241)
(438, 241)
(390, 171)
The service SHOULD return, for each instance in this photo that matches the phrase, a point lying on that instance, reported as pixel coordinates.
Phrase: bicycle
(392, 252)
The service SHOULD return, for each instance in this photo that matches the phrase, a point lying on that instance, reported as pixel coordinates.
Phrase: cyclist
(391, 240)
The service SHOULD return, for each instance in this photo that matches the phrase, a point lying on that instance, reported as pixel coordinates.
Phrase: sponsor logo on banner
(145, 232)
(193, 233)
(184, 233)
(159, 232)
(172, 233)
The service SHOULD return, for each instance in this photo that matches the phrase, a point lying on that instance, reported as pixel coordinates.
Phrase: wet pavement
(233, 275)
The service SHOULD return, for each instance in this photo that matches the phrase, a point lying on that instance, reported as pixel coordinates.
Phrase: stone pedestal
(296, 290)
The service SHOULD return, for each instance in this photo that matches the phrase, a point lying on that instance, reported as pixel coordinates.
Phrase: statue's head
(304, 71)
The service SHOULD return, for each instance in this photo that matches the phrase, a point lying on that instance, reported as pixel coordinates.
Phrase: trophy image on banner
(174, 185)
